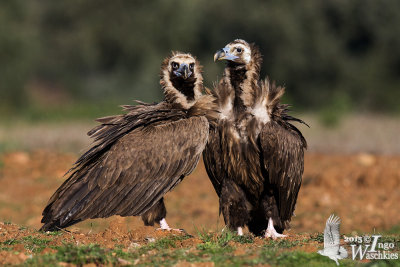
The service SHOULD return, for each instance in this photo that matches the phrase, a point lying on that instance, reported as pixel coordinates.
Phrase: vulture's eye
(175, 65)
(239, 50)
(191, 66)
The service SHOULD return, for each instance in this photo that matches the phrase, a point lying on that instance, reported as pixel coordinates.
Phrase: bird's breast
(241, 158)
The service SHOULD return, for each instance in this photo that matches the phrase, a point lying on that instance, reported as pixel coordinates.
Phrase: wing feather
(283, 153)
(212, 157)
(332, 234)
(130, 173)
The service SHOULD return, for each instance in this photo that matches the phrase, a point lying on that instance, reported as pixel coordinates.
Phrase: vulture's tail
(56, 226)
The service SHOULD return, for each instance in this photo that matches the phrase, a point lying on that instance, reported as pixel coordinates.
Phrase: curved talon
(171, 229)
(165, 227)
(274, 235)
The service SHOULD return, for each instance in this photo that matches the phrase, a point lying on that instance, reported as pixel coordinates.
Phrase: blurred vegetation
(334, 56)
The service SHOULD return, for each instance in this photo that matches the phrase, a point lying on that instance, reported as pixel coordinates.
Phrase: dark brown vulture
(254, 157)
(136, 158)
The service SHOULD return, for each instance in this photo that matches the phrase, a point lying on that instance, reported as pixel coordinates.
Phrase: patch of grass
(383, 263)
(213, 248)
(244, 239)
(10, 242)
(216, 243)
(55, 233)
(297, 258)
(282, 243)
(31, 243)
(163, 243)
(168, 258)
(35, 244)
(389, 239)
(78, 255)
(3, 248)
(224, 237)
(166, 242)
(162, 252)
(92, 253)
(395, 230)
(319, 237)
(205, 236)
(300, 258)
(219, 249)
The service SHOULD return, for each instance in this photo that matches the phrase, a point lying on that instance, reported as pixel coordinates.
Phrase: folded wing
(137, 158)
(282, 147)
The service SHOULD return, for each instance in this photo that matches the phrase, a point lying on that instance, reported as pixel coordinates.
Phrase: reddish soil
(363, 189)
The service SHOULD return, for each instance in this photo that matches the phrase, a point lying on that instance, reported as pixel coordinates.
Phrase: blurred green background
(64, 63)
(81, 58)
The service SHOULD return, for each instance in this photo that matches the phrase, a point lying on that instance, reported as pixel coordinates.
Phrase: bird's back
(136, 159)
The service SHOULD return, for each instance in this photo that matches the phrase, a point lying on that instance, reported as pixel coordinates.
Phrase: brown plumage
(136, 158)
(254, 157)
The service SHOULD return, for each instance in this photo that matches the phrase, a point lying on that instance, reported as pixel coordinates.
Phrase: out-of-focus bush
(327, 53)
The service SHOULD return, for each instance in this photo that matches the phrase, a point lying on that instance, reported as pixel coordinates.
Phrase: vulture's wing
(282, 146)
(125, 174)
(332, 235)
(212, 157)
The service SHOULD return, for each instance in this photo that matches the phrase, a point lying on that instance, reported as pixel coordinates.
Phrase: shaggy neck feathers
(186, 87)
(178, 92)
(243, 80)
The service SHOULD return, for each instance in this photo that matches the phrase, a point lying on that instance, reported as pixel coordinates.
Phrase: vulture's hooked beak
(183, 71)
(223, 53)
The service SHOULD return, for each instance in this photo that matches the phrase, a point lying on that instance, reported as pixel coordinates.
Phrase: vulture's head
(181, 79)
(239, 53)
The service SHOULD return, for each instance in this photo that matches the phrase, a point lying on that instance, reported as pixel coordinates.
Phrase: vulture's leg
(234, 206)
(258, 221)
(156, 214)
(275, 225)
(240, 231)
(165, 227)
(271, 232)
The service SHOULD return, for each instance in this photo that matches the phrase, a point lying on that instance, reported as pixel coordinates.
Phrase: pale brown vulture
(136, 158)
(255, 156)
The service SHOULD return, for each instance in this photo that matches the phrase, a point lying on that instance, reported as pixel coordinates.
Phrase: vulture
(137, 157)
(255, 155)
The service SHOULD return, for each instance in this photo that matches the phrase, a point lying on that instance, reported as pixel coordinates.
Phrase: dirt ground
(117, 234)
(363, 189)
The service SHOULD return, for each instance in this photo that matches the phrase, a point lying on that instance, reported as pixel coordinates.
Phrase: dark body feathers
(254, 157)
(135, 160)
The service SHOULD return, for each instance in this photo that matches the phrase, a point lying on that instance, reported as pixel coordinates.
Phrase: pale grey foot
(271, 232)
(165, 227)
